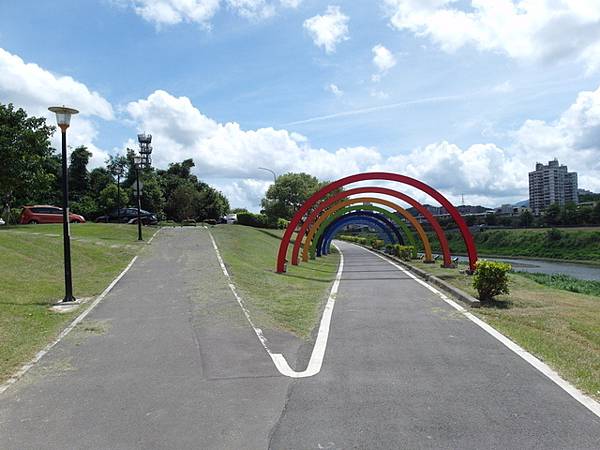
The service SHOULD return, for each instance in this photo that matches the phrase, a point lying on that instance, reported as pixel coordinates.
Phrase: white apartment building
(550, 184)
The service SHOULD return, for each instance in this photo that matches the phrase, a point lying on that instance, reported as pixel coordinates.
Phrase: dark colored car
(129, 215)
(46, 214)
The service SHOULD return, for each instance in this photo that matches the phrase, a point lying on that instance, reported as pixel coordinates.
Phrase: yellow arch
(417, 226)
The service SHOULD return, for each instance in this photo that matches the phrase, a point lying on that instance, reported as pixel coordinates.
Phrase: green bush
(554, 235)
(404, 252)
(282, 224)
(491, 279)
(253, 220)
(389, 249)
(377, 244)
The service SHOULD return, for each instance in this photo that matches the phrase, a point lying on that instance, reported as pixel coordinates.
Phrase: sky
(465, 95)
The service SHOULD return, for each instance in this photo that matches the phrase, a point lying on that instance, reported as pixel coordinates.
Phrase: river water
(580, 271)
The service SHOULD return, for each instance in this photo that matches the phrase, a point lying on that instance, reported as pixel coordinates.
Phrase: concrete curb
(448, 288)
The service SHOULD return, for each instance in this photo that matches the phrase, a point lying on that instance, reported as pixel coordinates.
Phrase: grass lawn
(561, 328)
(291, 301)
(32, 279)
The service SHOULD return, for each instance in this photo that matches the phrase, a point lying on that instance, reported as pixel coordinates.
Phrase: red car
(46, 214)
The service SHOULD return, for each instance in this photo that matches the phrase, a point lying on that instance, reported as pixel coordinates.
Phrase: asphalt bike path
(168, 360)
(403, 369)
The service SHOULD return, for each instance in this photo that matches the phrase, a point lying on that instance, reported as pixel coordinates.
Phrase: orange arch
(417, 226)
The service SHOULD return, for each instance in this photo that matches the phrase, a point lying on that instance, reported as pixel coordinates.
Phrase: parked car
(46, 214)
(129, 215)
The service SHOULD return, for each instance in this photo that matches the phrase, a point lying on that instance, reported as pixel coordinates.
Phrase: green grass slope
(291, 301)
(32, 279)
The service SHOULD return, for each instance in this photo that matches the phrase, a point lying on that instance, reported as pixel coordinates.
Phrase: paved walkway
(167, 360)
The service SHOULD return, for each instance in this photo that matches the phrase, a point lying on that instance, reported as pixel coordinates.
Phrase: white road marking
(39, 355)
(582, 398)
(318, 353)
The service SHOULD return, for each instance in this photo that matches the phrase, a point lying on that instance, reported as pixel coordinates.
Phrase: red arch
(378, 190)
(312, 201)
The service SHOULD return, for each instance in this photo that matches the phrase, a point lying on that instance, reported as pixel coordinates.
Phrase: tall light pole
(141, 161)
(269, 170)
(118, 171)
(63, 118)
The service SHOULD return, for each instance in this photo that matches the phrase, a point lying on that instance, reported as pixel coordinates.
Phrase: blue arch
(339, 223)
(354, 217)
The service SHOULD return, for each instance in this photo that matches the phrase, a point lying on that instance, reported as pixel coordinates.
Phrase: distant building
(549, 184)
(510, 210)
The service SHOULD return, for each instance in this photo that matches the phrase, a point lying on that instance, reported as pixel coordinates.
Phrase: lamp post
(63, 118)
(118, 171)
(269, 170)
(141, 161)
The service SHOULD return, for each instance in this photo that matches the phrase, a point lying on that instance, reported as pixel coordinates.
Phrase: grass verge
(561, 328)
(565, 283)
(291, 301)
(32, 279)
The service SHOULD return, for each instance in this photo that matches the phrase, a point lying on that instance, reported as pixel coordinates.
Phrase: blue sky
(466, 96)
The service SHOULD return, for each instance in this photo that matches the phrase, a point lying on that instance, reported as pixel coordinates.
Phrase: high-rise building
(550, 184)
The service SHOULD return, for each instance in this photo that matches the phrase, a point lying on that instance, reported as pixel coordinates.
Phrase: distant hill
(524, 203)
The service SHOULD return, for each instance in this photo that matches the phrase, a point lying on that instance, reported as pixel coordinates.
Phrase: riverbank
(566, 245)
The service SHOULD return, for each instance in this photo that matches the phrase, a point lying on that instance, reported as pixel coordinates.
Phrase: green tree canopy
(79, 177)
(27, 168)
(285, 196)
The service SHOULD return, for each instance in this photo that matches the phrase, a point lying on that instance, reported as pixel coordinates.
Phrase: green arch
(409, 234)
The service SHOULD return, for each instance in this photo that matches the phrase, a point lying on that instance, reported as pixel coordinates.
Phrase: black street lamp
(139, 162)
(118, 171)
(63, 118)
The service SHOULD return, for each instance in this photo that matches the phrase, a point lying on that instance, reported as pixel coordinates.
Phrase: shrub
(377, 244)
(554, 235)
(282, 224)
(389, 249)
(404, 252)
(253, 220)
(491, 279)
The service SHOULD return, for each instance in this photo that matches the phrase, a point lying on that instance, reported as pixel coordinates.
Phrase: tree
(26, 155)
(107, 199)
(100, 178)
(79, 177)
(182, 203)
(526, 219)
(552, 214)
(595, 214)
(491, 219)
(287, 194)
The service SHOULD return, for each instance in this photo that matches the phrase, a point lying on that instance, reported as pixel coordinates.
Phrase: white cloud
(329, 29)
(171, 12)
(335, 90)
(544, 30)
(383, 59)
(503, 88)
(229, 156)
(34, 89)
(252, 9)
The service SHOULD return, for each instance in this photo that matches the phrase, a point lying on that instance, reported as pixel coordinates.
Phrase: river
(580, 271)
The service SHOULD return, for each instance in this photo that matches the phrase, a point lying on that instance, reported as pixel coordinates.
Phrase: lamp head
(63, 116)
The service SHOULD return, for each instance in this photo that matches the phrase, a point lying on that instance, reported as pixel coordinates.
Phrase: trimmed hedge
(253, 220)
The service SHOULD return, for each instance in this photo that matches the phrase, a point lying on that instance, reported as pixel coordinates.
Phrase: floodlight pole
(139, 202)
(119, 196)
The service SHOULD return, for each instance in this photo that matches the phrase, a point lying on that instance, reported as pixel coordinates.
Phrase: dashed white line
(318, 353)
